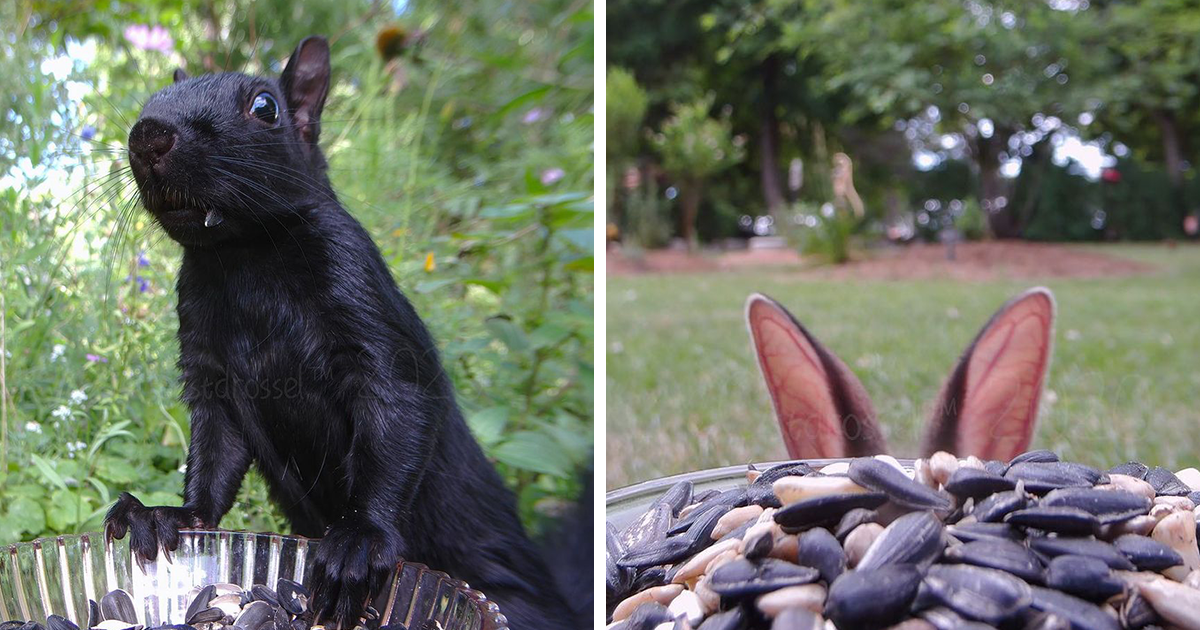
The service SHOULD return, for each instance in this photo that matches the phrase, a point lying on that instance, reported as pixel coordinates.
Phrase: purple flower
(148, 37)
(142, 260)
(551, 175)
(533, 115)
(88, 132)
(95, 358)
(143, 284)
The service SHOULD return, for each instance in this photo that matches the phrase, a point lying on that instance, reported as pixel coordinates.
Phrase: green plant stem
(3, 388)
(543, 304)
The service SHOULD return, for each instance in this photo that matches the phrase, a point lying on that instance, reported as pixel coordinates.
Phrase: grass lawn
(684, 392)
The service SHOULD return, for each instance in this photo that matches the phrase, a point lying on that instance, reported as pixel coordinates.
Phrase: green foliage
(469, 161)
(824, 232)
(968, 81)
(971, 223)
(694, 145)
(647, 216)
(624, 106)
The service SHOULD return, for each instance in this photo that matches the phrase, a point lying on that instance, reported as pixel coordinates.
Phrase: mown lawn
(684, 392)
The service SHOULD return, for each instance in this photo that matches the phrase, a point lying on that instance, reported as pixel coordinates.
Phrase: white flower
(74, 447)
(57, 352)
(62, 413)
(33, 427)
(78, 397)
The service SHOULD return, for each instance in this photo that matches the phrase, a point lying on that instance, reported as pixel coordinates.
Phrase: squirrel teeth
(213, 219)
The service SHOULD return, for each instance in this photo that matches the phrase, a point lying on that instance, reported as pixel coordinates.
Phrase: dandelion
(57, 352)
(78, 397)
(95, 358)
(33, 427)
(430, 264)
(62, 413)
(551, 175)
(148, 37)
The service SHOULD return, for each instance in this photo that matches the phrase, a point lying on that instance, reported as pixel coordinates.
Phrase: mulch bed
(991, 260)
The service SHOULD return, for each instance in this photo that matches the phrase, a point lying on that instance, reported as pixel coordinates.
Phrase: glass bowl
(59, 575)
(623, 505)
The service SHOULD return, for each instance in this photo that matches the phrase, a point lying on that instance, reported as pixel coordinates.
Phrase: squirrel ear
(305, 83)
(179, 75)
(988, 408)
(822, 408)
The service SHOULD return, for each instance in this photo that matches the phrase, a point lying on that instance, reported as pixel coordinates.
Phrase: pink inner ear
(1004, 381)
(798, 384)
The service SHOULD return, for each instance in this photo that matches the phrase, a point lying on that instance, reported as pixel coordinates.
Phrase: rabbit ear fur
(822, 408)
(988, 407)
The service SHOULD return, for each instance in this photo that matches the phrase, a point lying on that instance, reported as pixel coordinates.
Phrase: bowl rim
(721, 473)
(623, 505)
(489, 611)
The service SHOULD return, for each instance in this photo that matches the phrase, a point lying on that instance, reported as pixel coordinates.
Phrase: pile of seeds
(214, 607)
(1033, 543)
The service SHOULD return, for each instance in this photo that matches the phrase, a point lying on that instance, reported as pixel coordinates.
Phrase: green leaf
(66, 510)
(487, 425)
(495, 286)
(529, 97)
(510, 211)
(533, 450)
(162, 498)
(116, 471)
(105, 495)
(581, 238)
(48, 473)
(548, 335)
(586, 264)
(430, 286)
(27, 516)
(508, 333)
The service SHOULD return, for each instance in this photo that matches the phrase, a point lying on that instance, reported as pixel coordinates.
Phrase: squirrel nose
(150, 141)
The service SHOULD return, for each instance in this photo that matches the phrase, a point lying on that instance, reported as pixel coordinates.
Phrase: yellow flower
(430, 265)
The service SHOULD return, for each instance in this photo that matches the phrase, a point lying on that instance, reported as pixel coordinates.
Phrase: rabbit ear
(988, 407)
(822, 408)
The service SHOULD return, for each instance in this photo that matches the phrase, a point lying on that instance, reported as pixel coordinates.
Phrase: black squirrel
(299, 353)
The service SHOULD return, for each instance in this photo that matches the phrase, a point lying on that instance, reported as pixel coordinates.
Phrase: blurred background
(892, 172)
(460, 134)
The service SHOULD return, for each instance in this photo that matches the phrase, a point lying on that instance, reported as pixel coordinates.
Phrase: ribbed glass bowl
(623, 505)
(59, 575)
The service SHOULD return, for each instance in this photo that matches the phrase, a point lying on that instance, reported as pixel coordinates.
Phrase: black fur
(299, 354)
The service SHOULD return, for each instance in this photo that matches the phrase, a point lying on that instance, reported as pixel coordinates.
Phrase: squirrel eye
(265, 108)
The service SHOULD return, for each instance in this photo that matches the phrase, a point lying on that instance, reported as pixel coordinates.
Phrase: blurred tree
(693, 146)
(755, 71)
(1146, 87)
(625, 108)
(976, 69)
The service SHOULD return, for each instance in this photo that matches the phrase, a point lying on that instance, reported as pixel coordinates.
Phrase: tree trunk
(768, 139)
(689, 209)
(1172, 140)
(1172, 145)
(993, 189)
